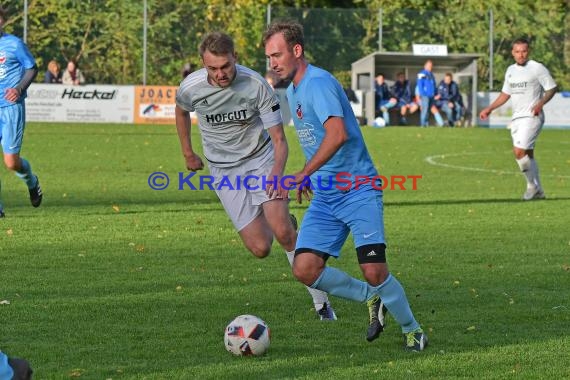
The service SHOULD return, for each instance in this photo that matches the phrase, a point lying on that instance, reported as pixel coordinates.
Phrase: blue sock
(26, 175)
(395, 300)
(340, 284)
(438, 119)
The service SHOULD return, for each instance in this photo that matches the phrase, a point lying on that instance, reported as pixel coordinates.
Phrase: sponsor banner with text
(154, 104)
(89, 103)
(556, 111)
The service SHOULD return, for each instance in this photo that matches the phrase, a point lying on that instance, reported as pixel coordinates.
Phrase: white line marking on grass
(432, 160)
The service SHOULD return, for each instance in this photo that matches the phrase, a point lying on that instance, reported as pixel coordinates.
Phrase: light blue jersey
(318, 97)
(335, 213)
(338, 209)
(15, 58)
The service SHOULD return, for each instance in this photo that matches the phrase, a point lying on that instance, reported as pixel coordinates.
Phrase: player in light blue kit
(17, 71)
(332, 142)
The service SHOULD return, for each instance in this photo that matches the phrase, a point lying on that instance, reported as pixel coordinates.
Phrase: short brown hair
(217, 43)
(521, 41)
(292, 32)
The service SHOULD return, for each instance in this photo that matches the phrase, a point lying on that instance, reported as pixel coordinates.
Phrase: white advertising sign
(556, 111)
(89, 104)
(437, 50)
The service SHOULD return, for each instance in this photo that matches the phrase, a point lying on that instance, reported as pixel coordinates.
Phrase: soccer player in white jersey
(530, 86)
(241, 127)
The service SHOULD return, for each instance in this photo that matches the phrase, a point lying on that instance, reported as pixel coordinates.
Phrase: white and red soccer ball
(247, 335)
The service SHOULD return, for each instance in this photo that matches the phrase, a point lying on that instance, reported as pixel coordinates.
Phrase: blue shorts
(12, 122)
(329, 220)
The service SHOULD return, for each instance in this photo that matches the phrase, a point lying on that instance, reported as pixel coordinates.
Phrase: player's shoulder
(194, 80)
(10, 39)
(316, 75)
(249, 74)
(536, 65)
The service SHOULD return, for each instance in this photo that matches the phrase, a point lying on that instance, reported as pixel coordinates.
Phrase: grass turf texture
(110, 279)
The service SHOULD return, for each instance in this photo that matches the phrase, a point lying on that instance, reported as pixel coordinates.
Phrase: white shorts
(243, 200)
(525, 131)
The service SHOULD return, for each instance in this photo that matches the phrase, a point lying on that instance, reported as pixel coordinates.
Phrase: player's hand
(12, 95)
(484, 115)
(274, 187)
(194, 162)
(537, 109)
(303, 184)
(304, 192)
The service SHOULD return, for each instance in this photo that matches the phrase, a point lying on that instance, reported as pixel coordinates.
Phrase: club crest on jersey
(2, 57)
(299, 111)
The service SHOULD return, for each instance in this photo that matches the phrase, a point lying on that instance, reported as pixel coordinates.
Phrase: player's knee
(372, 260)
(375, 274)
(259, 250)
(286, 236)
(304, 274)
(12, 163)
(523, 162)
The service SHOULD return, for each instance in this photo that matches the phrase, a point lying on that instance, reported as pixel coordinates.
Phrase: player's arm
(501, 99)
(183, 122)
(545, 99)
(335, 137)
(13, 94)
(280, 152)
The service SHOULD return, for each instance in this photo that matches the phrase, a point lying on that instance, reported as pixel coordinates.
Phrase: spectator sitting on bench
(402, 93)
(448, 99)
(384, 98)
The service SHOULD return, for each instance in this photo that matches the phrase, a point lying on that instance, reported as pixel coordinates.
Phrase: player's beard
(289, 77)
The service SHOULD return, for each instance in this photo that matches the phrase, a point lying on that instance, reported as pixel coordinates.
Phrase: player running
(242, 134)
(17, 71)
(332, 142)
(530, 86)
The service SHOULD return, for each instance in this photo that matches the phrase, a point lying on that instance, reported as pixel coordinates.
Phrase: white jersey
(232, 120)
(526, 85)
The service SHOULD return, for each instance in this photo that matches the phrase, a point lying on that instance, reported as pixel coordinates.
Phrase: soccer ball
(379, 122)
(247, 335)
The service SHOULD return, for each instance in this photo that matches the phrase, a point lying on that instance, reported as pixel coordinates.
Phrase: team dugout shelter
(364, 71)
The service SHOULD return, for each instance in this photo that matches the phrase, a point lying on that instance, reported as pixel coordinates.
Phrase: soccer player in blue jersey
(17, 71)
(333, 145)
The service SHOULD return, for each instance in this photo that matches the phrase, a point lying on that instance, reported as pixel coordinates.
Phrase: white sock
(319, 297)
(526, 168)
(534, 170)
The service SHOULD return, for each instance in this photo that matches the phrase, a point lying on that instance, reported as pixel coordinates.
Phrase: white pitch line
(432, 161)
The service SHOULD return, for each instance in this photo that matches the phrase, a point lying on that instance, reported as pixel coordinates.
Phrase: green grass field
(109, 279)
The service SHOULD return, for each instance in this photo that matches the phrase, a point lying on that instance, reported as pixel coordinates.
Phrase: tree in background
(106, 37)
